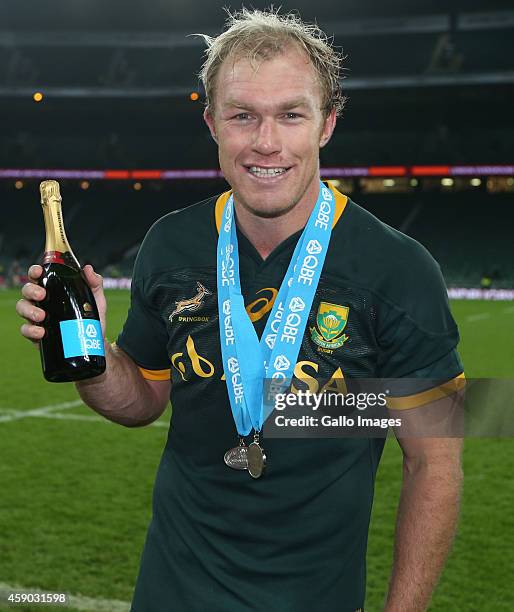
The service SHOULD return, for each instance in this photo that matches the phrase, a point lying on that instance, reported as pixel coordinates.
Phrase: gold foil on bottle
(56, 240)
(50, 191)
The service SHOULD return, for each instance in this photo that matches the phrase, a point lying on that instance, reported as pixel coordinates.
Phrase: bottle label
(82, 337)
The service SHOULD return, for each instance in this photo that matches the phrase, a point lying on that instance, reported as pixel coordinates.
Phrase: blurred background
(103, 96)
(426, 141)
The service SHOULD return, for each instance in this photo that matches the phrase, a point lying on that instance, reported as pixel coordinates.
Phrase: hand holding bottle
(61, 309)
(28, 306)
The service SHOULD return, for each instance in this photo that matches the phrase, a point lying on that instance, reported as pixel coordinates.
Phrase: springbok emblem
(193, 303)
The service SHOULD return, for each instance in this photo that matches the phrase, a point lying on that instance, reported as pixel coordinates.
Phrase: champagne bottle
(72, 347)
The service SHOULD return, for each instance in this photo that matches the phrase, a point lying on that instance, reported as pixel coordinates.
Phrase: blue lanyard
(246, 361)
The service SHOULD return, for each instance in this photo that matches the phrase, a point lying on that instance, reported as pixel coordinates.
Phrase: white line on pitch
(78, 602)
(15, 415)
(71, 417)
(86, 417)
(50, 412)
(478, 317)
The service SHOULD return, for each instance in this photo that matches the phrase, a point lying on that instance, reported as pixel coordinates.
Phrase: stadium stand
(469, 233)
(424, 87)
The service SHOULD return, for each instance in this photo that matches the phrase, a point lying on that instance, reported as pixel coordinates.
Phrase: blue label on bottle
(82, 337)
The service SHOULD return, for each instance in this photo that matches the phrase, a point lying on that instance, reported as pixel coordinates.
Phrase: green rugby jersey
(295, 539)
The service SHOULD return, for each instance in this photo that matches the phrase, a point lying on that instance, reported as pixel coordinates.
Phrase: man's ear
(209, 120)
(328, 128)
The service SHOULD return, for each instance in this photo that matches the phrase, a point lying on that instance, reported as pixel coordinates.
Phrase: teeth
(266, 171)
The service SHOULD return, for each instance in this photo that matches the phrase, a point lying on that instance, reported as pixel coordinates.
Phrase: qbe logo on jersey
(81, 338)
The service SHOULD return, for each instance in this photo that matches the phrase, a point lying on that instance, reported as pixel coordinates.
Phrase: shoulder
(393, 266)
(180, 238)
(376, 236)
(194, 217)
(384, 252)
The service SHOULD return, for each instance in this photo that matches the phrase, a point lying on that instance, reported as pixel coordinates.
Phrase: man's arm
(426, 521)
(121, 393)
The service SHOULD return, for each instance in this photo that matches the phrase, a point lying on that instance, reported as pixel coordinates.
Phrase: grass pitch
(75, 496)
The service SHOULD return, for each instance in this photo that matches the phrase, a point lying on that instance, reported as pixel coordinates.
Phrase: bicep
(431, 433)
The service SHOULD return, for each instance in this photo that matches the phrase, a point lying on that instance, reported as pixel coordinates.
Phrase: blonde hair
(262, 35)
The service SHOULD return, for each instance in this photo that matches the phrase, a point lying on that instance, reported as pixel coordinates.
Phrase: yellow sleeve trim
(340, 199)
(156, 374)
(419, 399)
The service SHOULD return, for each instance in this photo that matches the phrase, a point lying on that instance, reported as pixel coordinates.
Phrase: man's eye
(242, 116)
(292, 116)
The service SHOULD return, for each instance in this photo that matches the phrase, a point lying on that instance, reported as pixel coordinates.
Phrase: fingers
(33, 292)
(27, 310)
(94, 280)
(32, 332)
(35, 273)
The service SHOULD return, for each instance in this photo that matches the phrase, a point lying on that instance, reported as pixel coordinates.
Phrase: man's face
(269, 127)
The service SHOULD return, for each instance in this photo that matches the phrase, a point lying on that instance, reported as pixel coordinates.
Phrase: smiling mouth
(266, 173)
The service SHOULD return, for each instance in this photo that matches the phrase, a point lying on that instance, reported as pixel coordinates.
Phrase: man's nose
(267, 138)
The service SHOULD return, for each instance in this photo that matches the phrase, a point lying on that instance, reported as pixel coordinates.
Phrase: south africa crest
(330, 323)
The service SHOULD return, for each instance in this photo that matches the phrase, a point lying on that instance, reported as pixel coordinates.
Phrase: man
(295, 538)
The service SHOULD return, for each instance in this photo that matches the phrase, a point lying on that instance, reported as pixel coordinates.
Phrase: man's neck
(267, 233)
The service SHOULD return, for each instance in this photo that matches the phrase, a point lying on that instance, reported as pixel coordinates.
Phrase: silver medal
(256, 459)
(237, 457)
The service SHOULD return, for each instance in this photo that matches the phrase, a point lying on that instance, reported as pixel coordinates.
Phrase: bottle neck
(57, 247)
